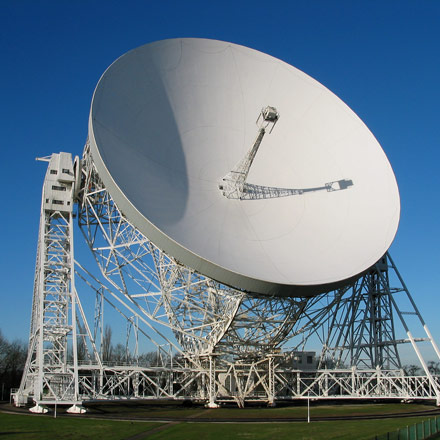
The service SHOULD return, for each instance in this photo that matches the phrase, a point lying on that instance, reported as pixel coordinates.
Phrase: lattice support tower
(51, 370)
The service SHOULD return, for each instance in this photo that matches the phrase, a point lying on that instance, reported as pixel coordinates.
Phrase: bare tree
(433, 367)
(81, 345)
(3, 349)
(107, 348)
(149, 359)
(12, 360)
(411, 370)
(119, 354)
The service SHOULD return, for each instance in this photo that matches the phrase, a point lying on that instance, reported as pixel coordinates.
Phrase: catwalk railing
(246, 384)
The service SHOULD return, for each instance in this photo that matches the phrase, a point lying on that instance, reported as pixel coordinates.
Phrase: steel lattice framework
(50, 368)
(214, 343)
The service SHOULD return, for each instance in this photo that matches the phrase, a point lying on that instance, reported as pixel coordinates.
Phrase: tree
(411, 370)
(3, 349)
(150, 359)
(119, 354)
(433, 367)
(12, 361)
(106, 347)
(81, 346)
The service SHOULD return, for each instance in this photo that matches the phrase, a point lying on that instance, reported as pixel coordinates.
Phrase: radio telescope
(167, 118)
(235, 200)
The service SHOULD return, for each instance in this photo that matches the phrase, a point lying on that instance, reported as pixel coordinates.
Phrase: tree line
(13, 358)
(119, 353)
(12, 361)
(415, 370)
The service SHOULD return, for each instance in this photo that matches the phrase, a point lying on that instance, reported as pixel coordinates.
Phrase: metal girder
(51, 370)
(204, 315)
(224, 345)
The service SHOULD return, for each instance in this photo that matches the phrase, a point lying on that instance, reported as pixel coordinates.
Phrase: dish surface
(169, 120)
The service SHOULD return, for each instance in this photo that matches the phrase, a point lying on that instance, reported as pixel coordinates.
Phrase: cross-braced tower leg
(212, 394)
(271, 380)
(412, 309)
(51, 370)
(362, 329)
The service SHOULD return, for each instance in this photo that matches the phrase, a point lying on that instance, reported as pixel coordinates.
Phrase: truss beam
(224, 345)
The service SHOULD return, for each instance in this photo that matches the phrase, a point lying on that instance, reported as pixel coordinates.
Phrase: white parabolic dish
(170, 119)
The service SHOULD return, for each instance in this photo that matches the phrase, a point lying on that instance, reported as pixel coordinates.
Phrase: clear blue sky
(380, 57)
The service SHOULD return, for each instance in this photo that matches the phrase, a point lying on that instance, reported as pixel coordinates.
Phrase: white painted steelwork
(202, 313)
(227, 346)
(49, 372)
(354, 324)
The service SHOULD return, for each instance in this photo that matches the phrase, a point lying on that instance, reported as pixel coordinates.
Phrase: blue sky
(380, 57)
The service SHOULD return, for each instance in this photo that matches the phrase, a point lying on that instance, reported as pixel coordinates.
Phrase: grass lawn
(173, 411)
(320, 410)
(74, 427)
(24, 427)
(342, 430)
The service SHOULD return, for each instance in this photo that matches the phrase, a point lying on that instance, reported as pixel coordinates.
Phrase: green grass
(315, 411)
(142, 410)
(145, 410)
(358, 430)
(26, 427)
(77, 427)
